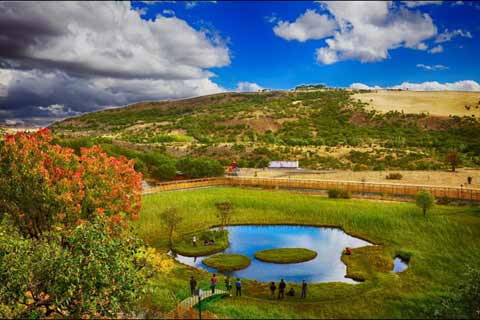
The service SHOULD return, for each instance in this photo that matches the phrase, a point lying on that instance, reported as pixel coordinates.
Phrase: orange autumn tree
(44, 185)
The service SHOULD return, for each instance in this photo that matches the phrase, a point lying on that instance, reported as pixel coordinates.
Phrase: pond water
(327, 242)
(399, 265)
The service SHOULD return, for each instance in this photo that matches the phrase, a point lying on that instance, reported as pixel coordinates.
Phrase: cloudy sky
(60, 59)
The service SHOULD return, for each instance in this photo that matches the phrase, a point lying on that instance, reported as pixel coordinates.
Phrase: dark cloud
(59, 59)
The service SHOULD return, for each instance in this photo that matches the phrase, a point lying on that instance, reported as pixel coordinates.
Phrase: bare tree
(225, 210)
(453, 158)
(171, 218)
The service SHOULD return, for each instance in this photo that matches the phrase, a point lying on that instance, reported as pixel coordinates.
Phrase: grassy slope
(286, 255)
(441, 246)
(442, 103)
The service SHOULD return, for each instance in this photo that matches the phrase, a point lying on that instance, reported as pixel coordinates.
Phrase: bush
(394, 176)
(338, 193)
(425, 200)
(194, 168)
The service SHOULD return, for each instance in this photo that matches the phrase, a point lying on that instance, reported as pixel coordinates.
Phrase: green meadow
(441, 248)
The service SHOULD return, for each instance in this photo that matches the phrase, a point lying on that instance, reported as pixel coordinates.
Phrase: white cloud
(59, 110)
(111, 39)
(368, 30)
(168, 12)
(412, 4)
(432, 68)
(464, 85)
(248, 87)
(447, 36)
(271, 19)
(436, 49)
(310, 25)
(193, 4)
(65, 58)
(361, 86)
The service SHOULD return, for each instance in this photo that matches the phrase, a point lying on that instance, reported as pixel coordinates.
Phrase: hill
(440, 103)
(326, 128)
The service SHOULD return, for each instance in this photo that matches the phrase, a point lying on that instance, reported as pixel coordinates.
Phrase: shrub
(394, 176)
(43, 185)
(339, 193)
(425, 200)
(201, 167)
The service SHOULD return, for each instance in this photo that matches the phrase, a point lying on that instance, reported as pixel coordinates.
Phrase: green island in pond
(186, 248)
(286, 255)
(227, 262)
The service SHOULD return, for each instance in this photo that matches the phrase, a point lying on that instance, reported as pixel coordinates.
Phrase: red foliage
(43, 184)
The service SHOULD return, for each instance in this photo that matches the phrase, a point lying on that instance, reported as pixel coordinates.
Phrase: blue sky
(62, 59)
(262, 57)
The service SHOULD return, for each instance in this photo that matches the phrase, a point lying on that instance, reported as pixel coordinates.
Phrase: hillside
(327, 128)
(440, 103)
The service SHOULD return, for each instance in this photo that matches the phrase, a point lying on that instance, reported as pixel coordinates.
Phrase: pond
(399, 265)
(327, 242)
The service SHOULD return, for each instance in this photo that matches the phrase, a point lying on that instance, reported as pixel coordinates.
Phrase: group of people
(205, 242)
(281, 290)
(213, 285)
(238, 287)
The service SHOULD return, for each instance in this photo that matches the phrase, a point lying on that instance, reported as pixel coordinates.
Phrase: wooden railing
(469, 194)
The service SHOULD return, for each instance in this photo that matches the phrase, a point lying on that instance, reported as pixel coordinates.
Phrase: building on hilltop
(283, 165)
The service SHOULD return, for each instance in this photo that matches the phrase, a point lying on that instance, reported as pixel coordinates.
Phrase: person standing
(213, 283)
(193, 285)
(281, 289)
(228, 285)
(273, 287)
(238, 286)
(304, 290)
(194, 241)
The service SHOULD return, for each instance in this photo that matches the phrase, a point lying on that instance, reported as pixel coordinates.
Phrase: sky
(62, 59)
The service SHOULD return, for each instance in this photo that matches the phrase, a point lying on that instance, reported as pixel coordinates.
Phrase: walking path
(192, 301)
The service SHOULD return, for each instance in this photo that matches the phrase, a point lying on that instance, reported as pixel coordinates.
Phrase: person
(228, 285)
(238, 286)
(291, 292)
(348, 251)
(193, 285)
(281, 289)
(304, 290)
(194, 240)
(214, 282)
(273, 287)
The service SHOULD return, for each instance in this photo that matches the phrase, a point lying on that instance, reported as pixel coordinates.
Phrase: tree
(43, 185)
(453, 158)
(95, 275)
(194, 168)
(224, 212)
(171, 218)
(424, 200)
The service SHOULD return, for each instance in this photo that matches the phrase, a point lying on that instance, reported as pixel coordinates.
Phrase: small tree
(453, 159)
(172, 219)
(424, 200)
(225, 210)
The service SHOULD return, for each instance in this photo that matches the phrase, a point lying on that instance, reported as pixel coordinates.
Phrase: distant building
(283, 165)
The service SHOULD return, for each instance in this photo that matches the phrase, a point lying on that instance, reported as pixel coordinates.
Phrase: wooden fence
(455, 193)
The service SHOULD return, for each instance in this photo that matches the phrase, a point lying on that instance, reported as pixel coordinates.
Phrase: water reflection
(327, 242)
(399, 265)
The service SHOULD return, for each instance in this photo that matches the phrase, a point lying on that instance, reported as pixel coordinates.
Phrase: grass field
(440, 246)
(441, 103)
